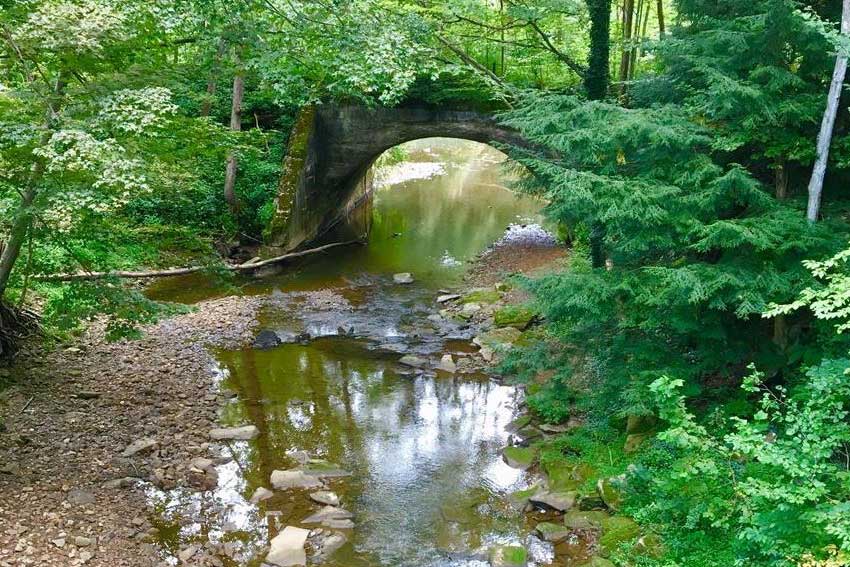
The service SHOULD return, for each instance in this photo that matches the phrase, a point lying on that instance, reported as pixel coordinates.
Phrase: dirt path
(67, 494)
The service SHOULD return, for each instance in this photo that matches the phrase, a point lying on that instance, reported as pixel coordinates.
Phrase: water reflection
(415, 444)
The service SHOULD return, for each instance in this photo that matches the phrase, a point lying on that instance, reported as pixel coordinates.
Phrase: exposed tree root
(15, 326)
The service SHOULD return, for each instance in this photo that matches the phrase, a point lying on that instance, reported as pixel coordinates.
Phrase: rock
(321, 468)
(610, 491)
(339, 524)
(470, 309)
(139, 446)
(287, 547)
(519, 498)
(80, 497)
(482, 295)
(242, 433)
(498, 338)
(58, 542)
(332, 543)
(650, 545)
(448, 297)
(513, 316)
(124, 482)
(447, 364)
(641, 424)
(201, 463)
(85, 556)
(403, 278)
(519, 423)
(519, 457)
(552, 532)
(584, 519)
(413, 361)
(508, 556)
(187, 554)
(87, 395)
(554, 428)
(283, 480)
(616, 530)
(634, 441)
(266, 339)
(560, 501)
(81, 541)
(262, 493)
(325, 497)
(327, 513)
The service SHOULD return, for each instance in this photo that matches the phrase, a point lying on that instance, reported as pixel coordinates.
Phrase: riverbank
(71, 487)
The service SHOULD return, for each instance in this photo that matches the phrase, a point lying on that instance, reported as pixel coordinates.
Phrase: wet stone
(242, 433)
(283, 480)
(325, 497)
(287, 547)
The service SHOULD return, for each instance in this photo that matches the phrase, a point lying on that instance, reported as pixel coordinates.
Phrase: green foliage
(79, 302)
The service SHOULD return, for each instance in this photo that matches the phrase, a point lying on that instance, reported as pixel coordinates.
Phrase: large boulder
(584, 519)
(287, 547)
(616, 530)
(560, 501)
(552, 532)
(514, 316)
(519, 457)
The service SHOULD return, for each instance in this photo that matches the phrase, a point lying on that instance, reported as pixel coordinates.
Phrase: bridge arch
(332, 148)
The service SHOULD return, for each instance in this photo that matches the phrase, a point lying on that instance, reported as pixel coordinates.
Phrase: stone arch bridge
(331, 150)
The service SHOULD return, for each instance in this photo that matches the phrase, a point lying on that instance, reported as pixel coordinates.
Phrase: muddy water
(428, 486)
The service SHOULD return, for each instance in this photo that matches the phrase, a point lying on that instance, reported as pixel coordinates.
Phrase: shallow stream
(428, 484)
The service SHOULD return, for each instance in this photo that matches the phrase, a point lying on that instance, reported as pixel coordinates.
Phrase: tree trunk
(625, 53)
(23, 215)
(236, 126)
(661, 29)
(825, 134)
(781, 181)
(596, 80)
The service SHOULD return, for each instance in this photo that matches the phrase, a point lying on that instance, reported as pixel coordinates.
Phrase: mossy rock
(641, 424)
(610, 490)
(519, 423)
(498, 338)
(514, 316)
(584, 519)
(482, 296)
(552, 532)
(453, 538)
(508, 556)
(650, 545)
(519, 498)
(616, 530)
(634, 441)
(530, 433)
(560, 475)
(519, 457)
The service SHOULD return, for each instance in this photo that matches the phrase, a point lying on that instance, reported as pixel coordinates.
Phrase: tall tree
(828, 123)
(236, 126)
(597, 78)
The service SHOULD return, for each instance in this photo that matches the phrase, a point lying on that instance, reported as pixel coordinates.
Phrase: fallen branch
(246, 267)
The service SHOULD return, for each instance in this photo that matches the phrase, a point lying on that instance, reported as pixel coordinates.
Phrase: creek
(428, 484)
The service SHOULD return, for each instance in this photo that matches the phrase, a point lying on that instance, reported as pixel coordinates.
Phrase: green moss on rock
(514, 316)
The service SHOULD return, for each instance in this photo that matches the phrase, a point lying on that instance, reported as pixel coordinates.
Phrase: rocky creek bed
(96, 428)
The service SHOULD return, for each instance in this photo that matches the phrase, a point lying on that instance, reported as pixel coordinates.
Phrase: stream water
(428, 484)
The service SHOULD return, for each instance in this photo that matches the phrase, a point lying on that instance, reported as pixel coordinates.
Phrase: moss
(482, 296)
(277, 232)
(514, 316)
(520, 457)
(615, 531)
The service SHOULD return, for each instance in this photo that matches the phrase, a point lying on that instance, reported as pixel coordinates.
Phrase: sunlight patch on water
(407, 171)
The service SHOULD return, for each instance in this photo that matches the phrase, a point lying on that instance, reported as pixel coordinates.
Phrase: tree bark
(661, 29)
(626, 53)
(781, 180)
(596, 80)
(236, 126)
(828, 123)
(246, 267)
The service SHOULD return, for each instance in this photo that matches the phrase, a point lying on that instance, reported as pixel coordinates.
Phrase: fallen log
(246, 267)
